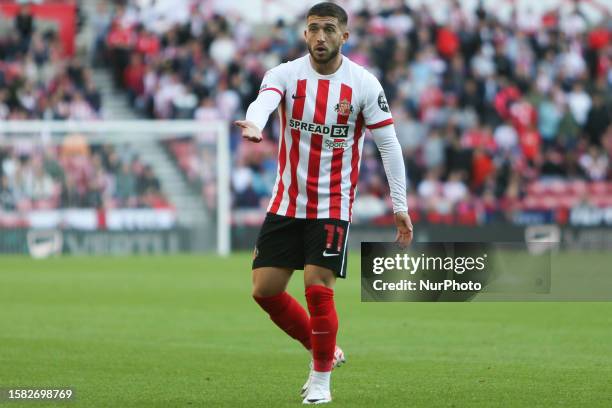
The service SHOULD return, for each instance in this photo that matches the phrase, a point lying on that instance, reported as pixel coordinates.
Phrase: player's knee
(260, 291)
(319, 277)
(269, 281)
(316, 281)
(257, 293)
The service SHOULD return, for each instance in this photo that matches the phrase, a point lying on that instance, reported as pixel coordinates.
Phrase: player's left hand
(404, 229)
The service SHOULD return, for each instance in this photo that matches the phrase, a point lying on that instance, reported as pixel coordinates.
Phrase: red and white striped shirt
(323, 121)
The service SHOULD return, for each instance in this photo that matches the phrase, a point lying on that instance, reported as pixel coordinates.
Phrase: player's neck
(329, 67)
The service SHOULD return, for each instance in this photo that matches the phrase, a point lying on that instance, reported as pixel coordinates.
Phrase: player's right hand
(250, 132)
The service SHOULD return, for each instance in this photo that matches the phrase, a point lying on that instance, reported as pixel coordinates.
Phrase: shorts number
(336, 230)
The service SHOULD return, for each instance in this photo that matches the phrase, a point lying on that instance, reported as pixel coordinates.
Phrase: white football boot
(318, 390)
(339, 359)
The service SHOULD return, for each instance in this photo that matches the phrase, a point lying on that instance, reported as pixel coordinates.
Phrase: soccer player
(325, 103)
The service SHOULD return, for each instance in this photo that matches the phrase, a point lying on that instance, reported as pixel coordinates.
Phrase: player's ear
(345, 36)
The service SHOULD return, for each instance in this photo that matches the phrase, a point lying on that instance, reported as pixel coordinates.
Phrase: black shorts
(288, 242)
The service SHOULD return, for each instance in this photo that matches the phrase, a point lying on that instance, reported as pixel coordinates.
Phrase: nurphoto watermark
(455, 271)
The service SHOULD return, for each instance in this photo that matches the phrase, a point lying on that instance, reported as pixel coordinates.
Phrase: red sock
(289, 315)
(324, 324)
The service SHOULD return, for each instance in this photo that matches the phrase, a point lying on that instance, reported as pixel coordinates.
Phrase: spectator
(71, 197)
(433, 150)
(430, 188)
(147, 181)
(595, 163)
(549, 117)
(125, 186)
(24, 23)
(553, 165)
(455, 189)
(598, 120)
(506, 137)
(579, 103)
(133, 77)
(482, 168)
(7, 195)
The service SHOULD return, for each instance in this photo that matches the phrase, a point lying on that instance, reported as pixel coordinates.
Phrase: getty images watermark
(412, 264)
(456, 271)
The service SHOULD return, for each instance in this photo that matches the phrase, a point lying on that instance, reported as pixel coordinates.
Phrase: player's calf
(324, 326)
(289, 315)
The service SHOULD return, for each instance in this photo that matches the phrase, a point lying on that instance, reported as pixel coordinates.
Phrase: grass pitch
(183, 331)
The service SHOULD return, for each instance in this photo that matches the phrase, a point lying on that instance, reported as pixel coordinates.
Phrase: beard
(331, 54)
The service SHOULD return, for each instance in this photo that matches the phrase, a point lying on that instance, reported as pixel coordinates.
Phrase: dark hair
(329, 9)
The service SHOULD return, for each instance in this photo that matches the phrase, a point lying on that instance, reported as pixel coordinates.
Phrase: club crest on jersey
(344, 108)
(333, 131)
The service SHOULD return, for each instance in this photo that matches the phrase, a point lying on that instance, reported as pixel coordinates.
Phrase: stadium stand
(486, 111)
(39, 80)
(76, 175)
(489, 112)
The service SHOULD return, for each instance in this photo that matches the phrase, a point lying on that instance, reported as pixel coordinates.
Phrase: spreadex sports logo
(333, 131)
(331, 144)
(334, 135)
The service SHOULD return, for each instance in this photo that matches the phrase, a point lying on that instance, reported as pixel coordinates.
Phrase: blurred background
(503, 110)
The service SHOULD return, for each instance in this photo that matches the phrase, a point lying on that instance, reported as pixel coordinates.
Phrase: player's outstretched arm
(257, 115)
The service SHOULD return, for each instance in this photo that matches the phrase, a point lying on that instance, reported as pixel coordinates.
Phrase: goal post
(137, 133)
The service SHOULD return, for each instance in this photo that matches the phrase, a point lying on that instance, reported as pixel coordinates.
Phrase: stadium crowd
(37, 81)
(482, 107)
(76, 175)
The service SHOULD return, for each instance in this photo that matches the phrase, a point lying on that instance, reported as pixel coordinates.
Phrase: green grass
(183, 331)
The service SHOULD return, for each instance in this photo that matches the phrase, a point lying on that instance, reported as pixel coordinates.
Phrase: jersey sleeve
(376, 111)
(260, 109)
(273, 81)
